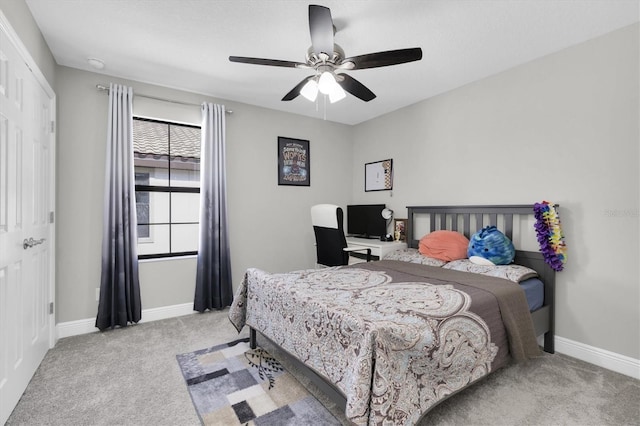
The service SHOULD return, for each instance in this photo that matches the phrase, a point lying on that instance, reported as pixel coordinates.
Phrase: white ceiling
(185, 44)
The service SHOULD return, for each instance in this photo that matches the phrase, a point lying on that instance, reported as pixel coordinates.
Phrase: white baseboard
(84, 326)
(164, 312)
(602, 358)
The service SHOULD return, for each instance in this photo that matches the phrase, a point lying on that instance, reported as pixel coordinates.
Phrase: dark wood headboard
(470, 219)
(465, 219)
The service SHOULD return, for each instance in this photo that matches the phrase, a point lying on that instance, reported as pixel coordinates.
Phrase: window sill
(168, 258)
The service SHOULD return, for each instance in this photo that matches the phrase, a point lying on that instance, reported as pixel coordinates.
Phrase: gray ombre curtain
(119, 288)
(213, 279)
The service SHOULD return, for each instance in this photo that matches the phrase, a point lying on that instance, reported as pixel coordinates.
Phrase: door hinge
(51, 308)
(52, 216)
(53, 126)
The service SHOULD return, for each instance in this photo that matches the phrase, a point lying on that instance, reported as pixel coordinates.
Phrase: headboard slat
(454, 222)
(508, 225)
(479, 223)
(467, 224)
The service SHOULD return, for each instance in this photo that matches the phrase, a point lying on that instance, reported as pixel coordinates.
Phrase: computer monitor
(366, 221)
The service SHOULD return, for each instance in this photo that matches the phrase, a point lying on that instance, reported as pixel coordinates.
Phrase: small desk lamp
(388, 215)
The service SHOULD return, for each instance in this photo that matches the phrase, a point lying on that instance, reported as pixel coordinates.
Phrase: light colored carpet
(130, 377)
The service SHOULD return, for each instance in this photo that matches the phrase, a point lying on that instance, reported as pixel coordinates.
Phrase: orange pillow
(444, 245)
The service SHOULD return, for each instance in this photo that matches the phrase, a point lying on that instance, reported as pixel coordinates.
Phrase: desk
(378, 248)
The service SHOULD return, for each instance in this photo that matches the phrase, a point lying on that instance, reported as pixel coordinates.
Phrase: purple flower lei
(549, 235)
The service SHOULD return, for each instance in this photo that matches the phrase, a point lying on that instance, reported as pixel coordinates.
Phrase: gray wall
(269, 225)
(562, 128)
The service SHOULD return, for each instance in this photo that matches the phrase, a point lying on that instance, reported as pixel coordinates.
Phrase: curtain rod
(103, 88)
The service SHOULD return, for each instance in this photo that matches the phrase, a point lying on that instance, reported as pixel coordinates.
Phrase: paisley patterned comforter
(395, 338)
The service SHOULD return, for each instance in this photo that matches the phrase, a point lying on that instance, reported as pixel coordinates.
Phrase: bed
(388, 340)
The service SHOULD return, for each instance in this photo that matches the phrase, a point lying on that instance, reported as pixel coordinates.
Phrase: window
(142, 206)
(167, 172)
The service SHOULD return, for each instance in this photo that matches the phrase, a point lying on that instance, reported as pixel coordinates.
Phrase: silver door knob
(28, 243)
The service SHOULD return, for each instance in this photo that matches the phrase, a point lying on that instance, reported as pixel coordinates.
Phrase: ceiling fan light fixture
(326, 83)
(337, 93)
(310, 90)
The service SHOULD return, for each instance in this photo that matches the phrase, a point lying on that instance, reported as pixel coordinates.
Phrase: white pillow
(511, 272)
(479, 260)
(412, 255)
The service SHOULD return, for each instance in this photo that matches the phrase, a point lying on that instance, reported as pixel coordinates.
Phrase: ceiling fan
(327, 58)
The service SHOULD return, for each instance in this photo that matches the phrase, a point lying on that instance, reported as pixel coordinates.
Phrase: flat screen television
(366, 221)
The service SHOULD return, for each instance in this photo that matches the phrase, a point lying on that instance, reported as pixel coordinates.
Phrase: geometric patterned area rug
(232, 384)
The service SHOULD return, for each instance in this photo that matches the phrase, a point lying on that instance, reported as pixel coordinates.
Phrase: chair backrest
(327, 221)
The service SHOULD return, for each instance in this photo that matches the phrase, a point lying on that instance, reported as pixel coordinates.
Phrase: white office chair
(331, 244)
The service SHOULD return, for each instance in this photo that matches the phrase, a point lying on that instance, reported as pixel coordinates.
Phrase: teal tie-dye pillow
(491, 244)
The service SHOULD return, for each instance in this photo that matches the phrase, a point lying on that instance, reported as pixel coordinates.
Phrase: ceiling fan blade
(296, 90)
(321, 29)
(271, 62)
(356, 88)
(383, 59)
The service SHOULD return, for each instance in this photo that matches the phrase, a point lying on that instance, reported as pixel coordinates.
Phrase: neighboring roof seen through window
(150, 138)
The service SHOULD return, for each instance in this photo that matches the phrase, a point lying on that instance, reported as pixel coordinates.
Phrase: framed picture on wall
(400, 230)
(378, 176)
(293, 162)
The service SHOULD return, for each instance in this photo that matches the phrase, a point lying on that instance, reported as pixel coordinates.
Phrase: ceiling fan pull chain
(324, 97)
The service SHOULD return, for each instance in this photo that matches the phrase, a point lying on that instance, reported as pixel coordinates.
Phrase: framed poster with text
(293, 162)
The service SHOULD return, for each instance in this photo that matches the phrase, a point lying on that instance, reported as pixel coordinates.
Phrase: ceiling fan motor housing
(314, 60)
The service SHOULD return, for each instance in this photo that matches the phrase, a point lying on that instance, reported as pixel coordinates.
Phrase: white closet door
(26, 233)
